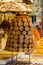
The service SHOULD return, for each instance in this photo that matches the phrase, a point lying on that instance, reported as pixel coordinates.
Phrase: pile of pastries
(36, 36)
(20, 37)
(38, 39)
(39, 49)
(13, 6)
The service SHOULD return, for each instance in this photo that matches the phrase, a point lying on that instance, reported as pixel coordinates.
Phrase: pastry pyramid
(20, 38)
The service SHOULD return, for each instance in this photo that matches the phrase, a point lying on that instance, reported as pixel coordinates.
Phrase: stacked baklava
(20, 38)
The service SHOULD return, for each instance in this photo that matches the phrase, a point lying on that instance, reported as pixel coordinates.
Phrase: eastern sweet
(20, 38)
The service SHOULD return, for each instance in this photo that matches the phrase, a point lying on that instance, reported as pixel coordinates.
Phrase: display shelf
(35, 58)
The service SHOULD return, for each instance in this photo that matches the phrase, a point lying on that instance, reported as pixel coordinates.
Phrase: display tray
(6, 59)
(23, 59)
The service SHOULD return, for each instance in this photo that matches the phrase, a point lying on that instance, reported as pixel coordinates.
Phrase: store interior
(21, 32)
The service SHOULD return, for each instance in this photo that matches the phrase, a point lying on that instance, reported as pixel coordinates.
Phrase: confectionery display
(20, 38)
(21, 32)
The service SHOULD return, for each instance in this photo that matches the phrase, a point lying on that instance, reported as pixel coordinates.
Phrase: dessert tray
(32, 58)
(23, 58)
